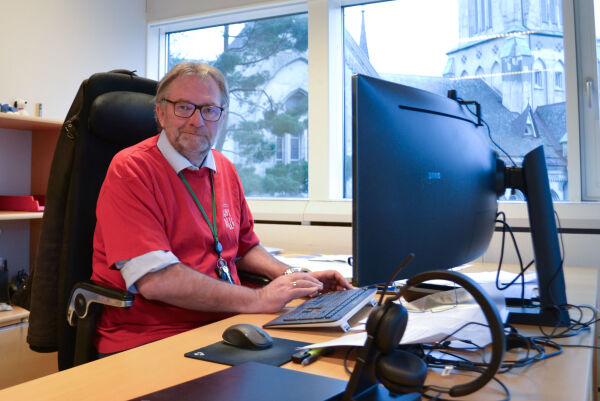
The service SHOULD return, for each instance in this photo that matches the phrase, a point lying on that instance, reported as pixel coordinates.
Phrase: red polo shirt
(144, 206)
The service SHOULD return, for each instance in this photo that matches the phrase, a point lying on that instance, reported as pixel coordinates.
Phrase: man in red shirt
(174, 228)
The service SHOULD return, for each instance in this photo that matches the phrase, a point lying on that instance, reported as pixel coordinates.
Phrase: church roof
(363, 37)
(515, 47)
(355, 58)
(507, 128)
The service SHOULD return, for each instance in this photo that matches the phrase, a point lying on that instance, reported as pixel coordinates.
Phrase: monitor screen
(424, 182)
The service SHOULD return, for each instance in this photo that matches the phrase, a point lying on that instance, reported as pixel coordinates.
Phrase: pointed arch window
(558, 80)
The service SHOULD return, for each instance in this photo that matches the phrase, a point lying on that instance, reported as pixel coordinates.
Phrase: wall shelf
(29, 123)
(10, 215)
(44, 135)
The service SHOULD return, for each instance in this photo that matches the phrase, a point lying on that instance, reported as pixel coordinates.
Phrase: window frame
(585, 110)
(325, 201)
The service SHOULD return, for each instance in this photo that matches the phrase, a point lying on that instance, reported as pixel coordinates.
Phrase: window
(279, 149)
(496, 76)
(537, 79)
(499, 64)
(450, 48)
(294, 148)
(479, 73)
(588, 111)
(558, 80)
(552, 10)
(265, 62)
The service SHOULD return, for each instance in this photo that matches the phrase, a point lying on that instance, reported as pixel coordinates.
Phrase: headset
(402, 372)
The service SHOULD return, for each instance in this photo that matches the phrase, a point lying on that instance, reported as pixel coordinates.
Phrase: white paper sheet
(317, 263)
(436, 324)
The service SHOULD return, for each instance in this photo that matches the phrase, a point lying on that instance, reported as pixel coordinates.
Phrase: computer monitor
(426, 181)
(423, 182)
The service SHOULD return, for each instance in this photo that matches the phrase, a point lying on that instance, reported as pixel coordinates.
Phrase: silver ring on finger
(294, 284)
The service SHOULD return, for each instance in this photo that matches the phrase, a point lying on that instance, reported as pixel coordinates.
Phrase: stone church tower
(515, 46)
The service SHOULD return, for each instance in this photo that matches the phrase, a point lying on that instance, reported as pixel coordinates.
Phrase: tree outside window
(266, 65)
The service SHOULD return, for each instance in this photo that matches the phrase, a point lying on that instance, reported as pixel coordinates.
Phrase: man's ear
(160, 114)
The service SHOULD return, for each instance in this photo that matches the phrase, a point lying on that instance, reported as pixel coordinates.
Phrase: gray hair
(200, 70)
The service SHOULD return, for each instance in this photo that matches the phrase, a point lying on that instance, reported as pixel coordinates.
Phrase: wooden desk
(570, 376)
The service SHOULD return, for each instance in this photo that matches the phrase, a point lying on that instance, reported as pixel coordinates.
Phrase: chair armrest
(86, 293)
(252, 279)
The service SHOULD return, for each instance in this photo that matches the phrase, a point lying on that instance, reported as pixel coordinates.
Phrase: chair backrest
(110, 112)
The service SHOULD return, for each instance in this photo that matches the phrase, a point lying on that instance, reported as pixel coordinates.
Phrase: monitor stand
(532, 180)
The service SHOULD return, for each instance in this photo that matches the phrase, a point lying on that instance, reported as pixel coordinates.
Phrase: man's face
(192, 137)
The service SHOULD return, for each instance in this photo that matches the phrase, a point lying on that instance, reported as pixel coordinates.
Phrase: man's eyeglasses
(185, 110)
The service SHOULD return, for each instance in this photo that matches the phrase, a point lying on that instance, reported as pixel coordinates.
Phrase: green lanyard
(222, 268)
(213, 229)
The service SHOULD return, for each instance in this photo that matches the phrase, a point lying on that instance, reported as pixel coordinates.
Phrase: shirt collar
(177, 160)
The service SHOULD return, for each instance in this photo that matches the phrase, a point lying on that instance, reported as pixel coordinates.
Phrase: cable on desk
(562, 260)
(471, 369)
(576, 326)
(348, 357)
(501, 218)
(459, 362)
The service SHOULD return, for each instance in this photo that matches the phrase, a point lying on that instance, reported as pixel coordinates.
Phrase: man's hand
(283, 289)
(332, 280)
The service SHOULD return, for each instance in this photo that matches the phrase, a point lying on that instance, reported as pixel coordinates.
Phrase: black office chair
(110, 112)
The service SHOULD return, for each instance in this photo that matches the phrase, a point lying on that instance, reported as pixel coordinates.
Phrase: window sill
(572, 214)
(301, 211)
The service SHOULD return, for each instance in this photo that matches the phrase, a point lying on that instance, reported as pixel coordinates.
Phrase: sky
(407, 36)
(403, 36)
(203, 44)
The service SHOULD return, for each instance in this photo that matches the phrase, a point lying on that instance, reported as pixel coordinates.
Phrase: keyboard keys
(332, 307)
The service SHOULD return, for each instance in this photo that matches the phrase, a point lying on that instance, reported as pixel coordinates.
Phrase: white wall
(158, 10)
(49, 47)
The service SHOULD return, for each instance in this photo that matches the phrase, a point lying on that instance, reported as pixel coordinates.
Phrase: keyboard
(330, 309)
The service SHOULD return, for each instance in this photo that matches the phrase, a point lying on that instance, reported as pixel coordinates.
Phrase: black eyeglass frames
(208, 112)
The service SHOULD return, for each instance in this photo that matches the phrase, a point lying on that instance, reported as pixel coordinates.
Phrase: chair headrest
(122, 117)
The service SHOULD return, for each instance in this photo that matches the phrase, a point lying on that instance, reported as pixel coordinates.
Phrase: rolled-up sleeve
(135, 268)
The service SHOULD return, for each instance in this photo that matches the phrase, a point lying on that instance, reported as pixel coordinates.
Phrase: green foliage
(264, 38)
(257, 42)
(252, 144)
(247, 65)
(227, 62)
(253, 183)
(280, 180)
(283, 123)
(287, 179)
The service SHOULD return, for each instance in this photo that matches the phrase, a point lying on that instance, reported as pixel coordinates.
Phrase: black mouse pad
(279, 353)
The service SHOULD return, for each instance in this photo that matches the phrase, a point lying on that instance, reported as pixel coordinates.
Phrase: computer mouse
(247, 336)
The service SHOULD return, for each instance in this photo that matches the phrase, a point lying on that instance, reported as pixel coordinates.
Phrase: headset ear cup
(374, 318)
(391, 328)
(401, 372)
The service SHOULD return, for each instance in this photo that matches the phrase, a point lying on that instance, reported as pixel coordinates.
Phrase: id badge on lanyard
(222, 269)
